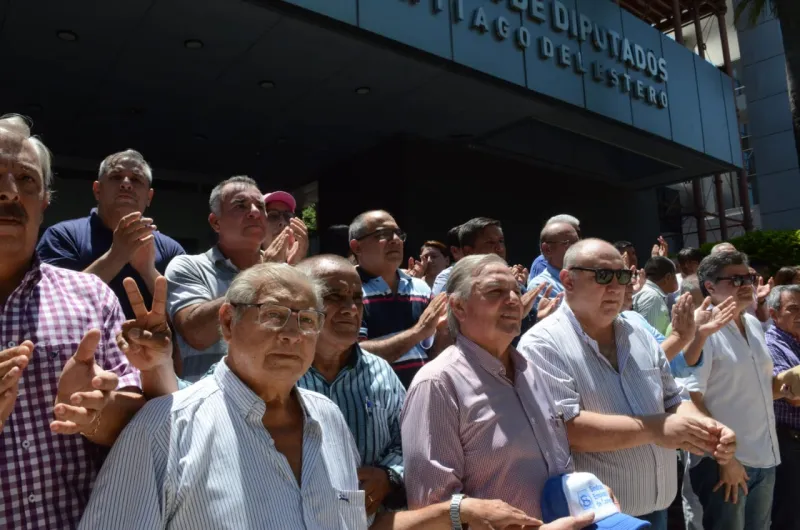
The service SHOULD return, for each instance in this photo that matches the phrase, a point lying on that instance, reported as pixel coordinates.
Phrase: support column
(676, 17)
(744, 192)
(699, 214)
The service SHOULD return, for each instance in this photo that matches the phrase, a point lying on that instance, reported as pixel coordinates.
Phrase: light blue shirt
(440, 283)
(537, 267)
(677, 365)
(549, 275)
(202, 459)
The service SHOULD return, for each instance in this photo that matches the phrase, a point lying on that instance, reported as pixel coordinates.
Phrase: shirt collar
(219, 260)
(32, 277)
(656, 288)
(355, 360)
(367, 276)
(554, 272)
(784, 336)
(244, 399)
(486, 360)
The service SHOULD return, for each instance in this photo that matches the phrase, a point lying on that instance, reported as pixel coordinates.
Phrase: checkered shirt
(46, 479)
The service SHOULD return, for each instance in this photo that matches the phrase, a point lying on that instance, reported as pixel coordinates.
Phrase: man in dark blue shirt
(115, 241)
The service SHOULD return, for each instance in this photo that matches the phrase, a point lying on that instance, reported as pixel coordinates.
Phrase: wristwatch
(455, 511)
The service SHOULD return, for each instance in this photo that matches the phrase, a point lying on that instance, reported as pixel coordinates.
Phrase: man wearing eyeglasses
(736, 385)
(612, 386)
(280, 207)
(555, 239)
(400, 319)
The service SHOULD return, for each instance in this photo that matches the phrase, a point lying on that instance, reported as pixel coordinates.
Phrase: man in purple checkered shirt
(783, 343)
(64, 385)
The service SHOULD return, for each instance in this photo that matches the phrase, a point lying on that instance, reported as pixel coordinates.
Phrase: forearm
(149, 278)
(673, 345)
(692, 352)
(159, 382)
(115, 416)
(433, 517)
(394, 347)
(106, 267)
(699, 402)
(690, 408)
(762, 312)
(199, 324)
(590, 432)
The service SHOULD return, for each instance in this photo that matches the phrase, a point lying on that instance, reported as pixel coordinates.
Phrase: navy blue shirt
(78, 243)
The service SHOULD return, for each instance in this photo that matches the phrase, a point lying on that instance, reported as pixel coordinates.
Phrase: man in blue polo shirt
(398, 322)
(115, 241)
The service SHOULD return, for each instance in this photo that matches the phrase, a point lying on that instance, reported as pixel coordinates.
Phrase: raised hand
(520, 274)
(762, 289)
(529, 298)
(709, 321)
(146, 340)
(132, 233)
(416, 268)
(683, 322)
(639, 279)
(84, 389)
(13, 362)
(278, 250)
(431, 317)
(482, 514)
(299, 249)
(661, 248)
(547, 306)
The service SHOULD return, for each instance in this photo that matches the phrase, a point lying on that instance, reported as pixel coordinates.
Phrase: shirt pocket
(377, 431)
(352, 509)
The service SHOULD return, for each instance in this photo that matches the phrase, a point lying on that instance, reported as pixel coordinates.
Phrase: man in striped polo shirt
(400, 320)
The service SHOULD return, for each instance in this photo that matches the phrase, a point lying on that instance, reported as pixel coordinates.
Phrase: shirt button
(26, 444)
(31, 498)
(11, 344)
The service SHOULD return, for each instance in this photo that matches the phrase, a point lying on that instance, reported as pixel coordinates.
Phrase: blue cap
(573, 494)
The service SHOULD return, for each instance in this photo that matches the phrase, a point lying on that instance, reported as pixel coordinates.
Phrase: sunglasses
(278, 215)
(738, 280)
(604, 276)
(385, 234)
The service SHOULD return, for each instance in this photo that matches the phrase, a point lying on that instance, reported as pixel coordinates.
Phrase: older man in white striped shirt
(612, 386)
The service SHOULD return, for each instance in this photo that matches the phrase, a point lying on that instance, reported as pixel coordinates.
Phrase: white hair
(18, 125)
(564, 218)
(128, 154)
(774, 298)
(462, 279)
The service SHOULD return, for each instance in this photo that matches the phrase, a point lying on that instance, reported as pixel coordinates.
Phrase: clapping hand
(709, 321)
(661, 248)
(298, 249)
(416, 268)
(683, 319)
(278, 251)
(639, 279)
(762, 289)
(547, 306)
(520, 274)
(13, 362)
(84, 390)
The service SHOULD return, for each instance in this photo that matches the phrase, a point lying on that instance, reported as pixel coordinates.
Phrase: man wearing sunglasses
(280, 208)
(612, 386)
(400, 319)
(736, 385)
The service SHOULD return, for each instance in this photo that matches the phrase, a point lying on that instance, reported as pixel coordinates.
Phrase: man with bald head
(555, 240)
(398, 324)
(612, 386)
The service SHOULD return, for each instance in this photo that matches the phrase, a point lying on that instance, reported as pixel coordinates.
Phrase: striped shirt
(651, 303)
(736, 383)
(387, 313)
(579, 377)
(201, 458)
(785, 352)
(46, 478)
(370, 396)
(468, 428)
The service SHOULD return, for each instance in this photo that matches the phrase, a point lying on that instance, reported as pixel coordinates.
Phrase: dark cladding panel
(424, 25)
(712, 109)
(344, 10)
(545, 74)
(484, 38)
(733, 123)
(611, 101)
(684, 102)
(648, 92)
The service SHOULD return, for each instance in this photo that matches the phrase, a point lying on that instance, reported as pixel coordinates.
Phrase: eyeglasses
(385, 234)
(278, 215)
(604, 276)
(565, 242)
(738, 280)
(275, 317)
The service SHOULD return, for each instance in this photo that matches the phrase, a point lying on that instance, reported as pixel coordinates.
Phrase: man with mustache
(116, 240)
(52, 321)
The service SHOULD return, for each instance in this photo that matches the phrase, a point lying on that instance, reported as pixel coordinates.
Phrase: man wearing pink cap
(280, 207)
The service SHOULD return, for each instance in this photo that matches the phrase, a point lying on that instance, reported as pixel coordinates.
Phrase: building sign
(622, 53)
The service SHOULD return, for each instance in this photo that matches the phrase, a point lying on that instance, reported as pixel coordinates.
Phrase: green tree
(788, 14)
(309, 216)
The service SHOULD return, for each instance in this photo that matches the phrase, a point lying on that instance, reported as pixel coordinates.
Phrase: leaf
(309, 216)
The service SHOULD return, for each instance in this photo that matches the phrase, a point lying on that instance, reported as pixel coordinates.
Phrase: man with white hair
(540, 263)
(623, 412)
(116, 240)
(555, 239)
(58, 356)
(476, 421)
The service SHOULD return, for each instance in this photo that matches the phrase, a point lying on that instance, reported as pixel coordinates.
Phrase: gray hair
(564, 218)
(689, 284)
(462, 280)
(245, 287)
(712, 265)
(775, 295)
(358, 226)
(722, 247)
(128, 154)
(19, 125)
(215, 200)
(315, 265)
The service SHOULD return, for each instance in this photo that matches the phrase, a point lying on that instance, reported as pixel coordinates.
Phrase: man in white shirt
(735, 385)
(612, 386)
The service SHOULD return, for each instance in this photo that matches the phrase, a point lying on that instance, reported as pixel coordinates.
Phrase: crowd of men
(253, 386)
